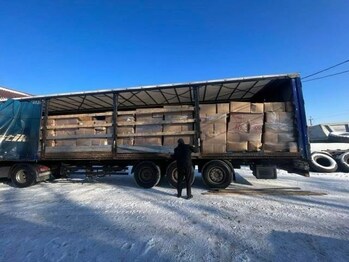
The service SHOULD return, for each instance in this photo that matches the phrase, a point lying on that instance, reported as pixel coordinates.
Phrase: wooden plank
(157, 110)
(79, 126)
(265, 191)
(156, 122)
(92, 136)
(157, 134)
(80, 115)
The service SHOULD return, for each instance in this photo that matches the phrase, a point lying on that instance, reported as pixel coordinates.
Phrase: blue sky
(66, 46)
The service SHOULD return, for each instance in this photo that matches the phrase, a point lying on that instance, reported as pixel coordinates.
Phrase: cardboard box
(289, 107)
(274, 107)
(278, 127)
(129, 141)
(242, 137)
(213, 128)
(293, 147)
(223, 108)
(156, 140)
(254, 145)
(126, 118)
(237, 146)
(172, 141)
(208, 109)
(66, 143)
(286, 137)
(208, 148)
(275, 147)
(270, 137)
(245, 123)
(63, 122)
(257, 108)
(279, 117)
(240, 107)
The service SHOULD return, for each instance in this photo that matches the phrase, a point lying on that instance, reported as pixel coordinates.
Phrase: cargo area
(249, 116)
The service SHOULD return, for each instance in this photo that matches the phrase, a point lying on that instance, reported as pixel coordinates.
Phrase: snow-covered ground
(115, 220)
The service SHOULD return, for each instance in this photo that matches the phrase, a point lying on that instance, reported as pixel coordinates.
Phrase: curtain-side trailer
(257, 121)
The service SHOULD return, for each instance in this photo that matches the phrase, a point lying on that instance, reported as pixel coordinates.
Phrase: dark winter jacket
(182, 154)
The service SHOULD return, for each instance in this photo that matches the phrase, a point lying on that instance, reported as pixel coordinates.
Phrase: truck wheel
(23, 175)
(217, 174)
(321, 162)
(231, 168)
(172, 175)
(342, 137)
(343, 162)
(147, 174)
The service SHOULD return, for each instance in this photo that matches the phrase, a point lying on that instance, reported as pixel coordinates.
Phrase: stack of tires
(324, 162)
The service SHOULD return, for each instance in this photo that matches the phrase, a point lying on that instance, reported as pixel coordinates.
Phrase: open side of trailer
(233, 122)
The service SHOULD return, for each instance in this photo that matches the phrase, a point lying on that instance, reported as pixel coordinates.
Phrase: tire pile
(325, 162)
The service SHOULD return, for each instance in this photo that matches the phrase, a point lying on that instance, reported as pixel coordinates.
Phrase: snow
(112, 219)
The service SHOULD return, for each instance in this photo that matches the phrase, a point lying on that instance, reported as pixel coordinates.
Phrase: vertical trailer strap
(303, 140)
(114, 120)
(197, 116)
(44, 129)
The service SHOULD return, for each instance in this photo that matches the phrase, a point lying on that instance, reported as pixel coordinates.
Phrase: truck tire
(322, 162)
(343, 162)
(172, 175)
(23, 175)
(342, 137)
(147, 174)
(231, 168)
(217, 174)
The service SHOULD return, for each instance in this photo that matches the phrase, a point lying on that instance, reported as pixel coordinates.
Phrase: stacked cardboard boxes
(245, 126)
(126, 127)
(213, 119)
(148, 123)
(75, 131)
(175, 128)
(98, 128)
(279, 128)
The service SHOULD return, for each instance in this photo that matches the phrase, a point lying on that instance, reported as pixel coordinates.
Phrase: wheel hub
(21, 176)
(216, 175)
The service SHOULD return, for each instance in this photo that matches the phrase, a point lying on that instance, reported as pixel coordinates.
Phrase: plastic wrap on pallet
(247, 123)
(237, 146)
(279, 127)
(279, 117)
(213, 133)
(275, 147)
(246, 107)
(274, 107)
(244, 132)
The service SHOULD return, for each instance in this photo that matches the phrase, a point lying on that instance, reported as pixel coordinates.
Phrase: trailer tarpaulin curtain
(19, 130)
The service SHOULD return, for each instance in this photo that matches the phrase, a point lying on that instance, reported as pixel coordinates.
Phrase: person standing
(182, 154)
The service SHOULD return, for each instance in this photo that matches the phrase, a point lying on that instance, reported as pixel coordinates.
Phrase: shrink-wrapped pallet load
(279, 130)
(213, 119)
(244, 132)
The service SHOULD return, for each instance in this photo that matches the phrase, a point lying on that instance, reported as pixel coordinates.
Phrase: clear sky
(79, 45)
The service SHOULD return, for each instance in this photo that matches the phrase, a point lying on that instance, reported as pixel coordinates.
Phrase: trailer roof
(213, 91)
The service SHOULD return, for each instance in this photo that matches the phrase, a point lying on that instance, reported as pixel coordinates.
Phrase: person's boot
(189, 197)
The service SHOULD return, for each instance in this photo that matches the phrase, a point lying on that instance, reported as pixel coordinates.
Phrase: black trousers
(184, 177)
